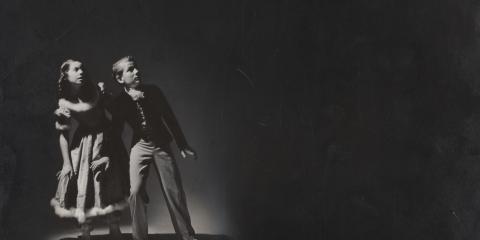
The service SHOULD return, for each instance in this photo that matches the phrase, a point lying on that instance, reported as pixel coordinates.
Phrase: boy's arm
(120, 155)
(114, 108)
(172, 124)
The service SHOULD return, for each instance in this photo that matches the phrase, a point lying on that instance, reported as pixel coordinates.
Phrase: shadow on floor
(127, 236)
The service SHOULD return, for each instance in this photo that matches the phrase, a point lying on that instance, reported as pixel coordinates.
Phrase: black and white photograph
(239, 120)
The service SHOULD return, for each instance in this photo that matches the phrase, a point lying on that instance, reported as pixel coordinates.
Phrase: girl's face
(75, 73)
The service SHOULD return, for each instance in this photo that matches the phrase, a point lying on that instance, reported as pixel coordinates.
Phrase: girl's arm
(77, 107)
(63, 140)
(67, 165)
(62, 124)
(80, 106)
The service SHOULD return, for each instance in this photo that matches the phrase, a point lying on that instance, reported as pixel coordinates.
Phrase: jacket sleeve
(117, 149)
(169, 119)
(115, 109)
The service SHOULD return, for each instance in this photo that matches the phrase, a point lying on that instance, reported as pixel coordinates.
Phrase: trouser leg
(172, 188)
(140, 158)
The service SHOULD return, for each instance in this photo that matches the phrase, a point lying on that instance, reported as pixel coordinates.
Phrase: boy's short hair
(117, 70)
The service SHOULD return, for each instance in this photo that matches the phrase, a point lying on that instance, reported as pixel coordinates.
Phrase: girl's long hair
(87, 90)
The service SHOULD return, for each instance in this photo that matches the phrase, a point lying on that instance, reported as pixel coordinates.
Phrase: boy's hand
(188, 152)
(101, 85)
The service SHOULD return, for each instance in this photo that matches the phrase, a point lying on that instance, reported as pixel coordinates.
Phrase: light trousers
(143, 155)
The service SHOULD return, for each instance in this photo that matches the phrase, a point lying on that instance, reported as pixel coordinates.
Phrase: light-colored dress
(89, 193)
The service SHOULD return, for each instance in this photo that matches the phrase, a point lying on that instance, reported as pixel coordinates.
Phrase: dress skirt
(87, 193)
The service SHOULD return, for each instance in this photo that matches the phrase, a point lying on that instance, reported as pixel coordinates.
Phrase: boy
(154, 126)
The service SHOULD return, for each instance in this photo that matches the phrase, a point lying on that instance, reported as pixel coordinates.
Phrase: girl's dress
(89, 193)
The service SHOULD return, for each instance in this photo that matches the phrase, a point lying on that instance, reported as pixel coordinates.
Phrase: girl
(92, 180)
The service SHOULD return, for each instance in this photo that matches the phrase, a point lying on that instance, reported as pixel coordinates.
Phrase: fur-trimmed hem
(82, 215)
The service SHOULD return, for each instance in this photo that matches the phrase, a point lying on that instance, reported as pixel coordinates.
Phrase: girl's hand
(66, 171)
(61, 111)
(104, 161)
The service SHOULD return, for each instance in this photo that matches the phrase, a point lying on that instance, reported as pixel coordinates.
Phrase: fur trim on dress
(82, 215)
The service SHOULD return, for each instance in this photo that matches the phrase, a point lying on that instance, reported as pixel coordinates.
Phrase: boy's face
(130, 75)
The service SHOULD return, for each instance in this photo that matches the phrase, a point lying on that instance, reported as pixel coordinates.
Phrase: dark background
(312, 119)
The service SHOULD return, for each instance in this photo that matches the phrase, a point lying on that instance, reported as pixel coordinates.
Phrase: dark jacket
(160, 118)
